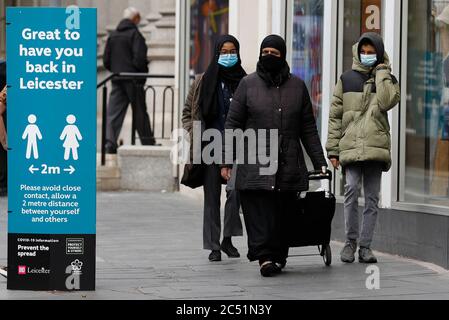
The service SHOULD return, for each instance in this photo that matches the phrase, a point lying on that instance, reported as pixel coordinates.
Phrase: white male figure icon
(71, 135)
(32, 133)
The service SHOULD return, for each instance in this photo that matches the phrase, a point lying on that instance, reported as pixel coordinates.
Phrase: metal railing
(152, 88)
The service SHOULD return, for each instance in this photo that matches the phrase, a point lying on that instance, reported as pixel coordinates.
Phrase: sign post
(52, 72)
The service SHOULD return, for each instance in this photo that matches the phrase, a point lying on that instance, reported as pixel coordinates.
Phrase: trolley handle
(319, 175)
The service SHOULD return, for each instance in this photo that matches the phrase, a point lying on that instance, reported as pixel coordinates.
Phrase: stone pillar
(150, 28)
(161, 54)
(162, 41)
(144, 7)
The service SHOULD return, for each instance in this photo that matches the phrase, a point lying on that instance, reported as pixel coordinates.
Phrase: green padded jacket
(359, 129)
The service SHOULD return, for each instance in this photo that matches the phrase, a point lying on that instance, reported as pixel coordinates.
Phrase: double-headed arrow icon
(70, 170)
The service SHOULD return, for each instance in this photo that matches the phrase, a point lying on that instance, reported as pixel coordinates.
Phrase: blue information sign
(51, 75)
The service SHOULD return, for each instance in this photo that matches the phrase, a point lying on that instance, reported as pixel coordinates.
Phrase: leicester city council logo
(74, 271)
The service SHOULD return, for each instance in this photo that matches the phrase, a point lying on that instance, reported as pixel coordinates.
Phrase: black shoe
(215, 256)
(3, 192)
(229, 249)
(110, 150)
(281, 265)
(366, 255)
(269, 269)
(150, 142)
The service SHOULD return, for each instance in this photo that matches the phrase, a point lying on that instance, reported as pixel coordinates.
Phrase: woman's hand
(2, 100)
(3, 141)
(3, 138)
(335, 163)
(381, 66)
(226, 173)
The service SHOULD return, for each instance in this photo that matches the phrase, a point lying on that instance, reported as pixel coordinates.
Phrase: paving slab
(149, 246)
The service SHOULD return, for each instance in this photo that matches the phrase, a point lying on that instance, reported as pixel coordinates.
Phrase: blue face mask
(228, 60)
(368, 60)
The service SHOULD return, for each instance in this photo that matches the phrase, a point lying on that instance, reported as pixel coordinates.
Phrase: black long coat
(287, 108)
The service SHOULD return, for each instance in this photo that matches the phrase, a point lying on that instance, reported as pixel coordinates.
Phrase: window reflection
(209, 20)
(427, 115)
(307, 55)
(308, 48)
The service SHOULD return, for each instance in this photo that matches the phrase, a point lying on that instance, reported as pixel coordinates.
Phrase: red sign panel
(371, 16)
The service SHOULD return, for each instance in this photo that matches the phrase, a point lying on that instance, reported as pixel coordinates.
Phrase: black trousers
(212, 203)
(124, 93)
(264, 213)
(3, 164)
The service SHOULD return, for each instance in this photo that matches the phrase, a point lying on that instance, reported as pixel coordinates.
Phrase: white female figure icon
(71, 135)
(32, 133)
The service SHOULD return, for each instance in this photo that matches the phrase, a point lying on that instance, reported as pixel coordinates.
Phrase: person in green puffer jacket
(359, 138)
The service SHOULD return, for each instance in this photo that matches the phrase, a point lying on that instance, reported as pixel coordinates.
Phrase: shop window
(209, 19)
(360, 16)
(307, 54)
(426, 178)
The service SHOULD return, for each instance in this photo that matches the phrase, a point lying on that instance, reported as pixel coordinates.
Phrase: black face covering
(272, 64)
(273, 70)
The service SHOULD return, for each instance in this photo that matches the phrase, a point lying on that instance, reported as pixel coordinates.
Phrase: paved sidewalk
(149, 247)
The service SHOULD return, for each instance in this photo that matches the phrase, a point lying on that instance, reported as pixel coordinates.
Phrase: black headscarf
(216, 74)
(273, 70)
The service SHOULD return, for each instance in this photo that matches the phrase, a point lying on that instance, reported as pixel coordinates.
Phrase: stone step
(108, 184)
(146, 168)
(108, 176)
(166, 24)
(108, 172)
(161, 54)
(160, 44)
(111, 160)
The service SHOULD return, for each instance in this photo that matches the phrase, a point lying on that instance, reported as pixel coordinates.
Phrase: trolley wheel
(326, 253)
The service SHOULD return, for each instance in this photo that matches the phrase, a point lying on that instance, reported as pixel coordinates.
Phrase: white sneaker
(4, 272)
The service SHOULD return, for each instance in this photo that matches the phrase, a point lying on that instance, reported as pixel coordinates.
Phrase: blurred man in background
(126, 51)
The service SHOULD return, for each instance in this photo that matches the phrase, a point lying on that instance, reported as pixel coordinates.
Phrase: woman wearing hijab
(208, 102)
(273, 99)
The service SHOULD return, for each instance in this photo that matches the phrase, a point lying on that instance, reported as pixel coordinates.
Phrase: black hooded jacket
(126, 50)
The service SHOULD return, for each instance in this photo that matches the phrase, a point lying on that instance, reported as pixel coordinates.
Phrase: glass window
(308, 49)
(360, 16)
(351, 30)
(427, 112)
(307, 55)
(209, 19)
